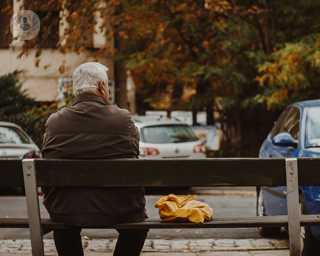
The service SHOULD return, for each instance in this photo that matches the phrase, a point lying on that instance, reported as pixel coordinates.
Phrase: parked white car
(162, 138)
(15, 143)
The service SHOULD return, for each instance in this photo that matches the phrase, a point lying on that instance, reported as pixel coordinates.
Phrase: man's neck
(95, 92)
(98, 94)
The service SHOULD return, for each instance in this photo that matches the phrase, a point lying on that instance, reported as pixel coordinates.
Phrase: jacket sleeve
(44, 143)
(135, 137)
(46, 137)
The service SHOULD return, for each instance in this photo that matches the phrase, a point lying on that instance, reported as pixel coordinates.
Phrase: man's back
(91, 129)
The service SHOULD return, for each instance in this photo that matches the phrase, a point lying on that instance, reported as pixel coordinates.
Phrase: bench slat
(309, 171)
(232, 222)
(11, 173)
(163, 172)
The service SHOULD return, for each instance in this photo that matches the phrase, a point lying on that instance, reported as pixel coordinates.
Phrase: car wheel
(309, 245)
(264, 231)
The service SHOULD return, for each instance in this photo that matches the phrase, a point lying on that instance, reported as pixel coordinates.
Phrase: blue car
(295, 134)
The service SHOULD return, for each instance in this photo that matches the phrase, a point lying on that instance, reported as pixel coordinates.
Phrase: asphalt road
(225, 202)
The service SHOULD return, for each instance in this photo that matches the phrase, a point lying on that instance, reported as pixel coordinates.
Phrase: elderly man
(92, 129)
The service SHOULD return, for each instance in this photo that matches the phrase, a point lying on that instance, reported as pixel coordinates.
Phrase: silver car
(162, 138)
(15, 143)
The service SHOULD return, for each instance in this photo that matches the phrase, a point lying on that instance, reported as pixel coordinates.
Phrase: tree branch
(273, 24)
(178, 27)
(264, 46)
(266, 32)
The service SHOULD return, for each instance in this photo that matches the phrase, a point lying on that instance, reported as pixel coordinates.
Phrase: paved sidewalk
(160, 247)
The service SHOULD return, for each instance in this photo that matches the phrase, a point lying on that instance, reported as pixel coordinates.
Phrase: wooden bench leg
(293, 206)
(31, 188)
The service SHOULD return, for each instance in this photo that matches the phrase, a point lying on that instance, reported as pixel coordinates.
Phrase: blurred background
(228, 66)
(201, 78)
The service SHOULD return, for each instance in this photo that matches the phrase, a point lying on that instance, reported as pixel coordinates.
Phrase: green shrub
(12, 100)
(33, 125)
(17, 107)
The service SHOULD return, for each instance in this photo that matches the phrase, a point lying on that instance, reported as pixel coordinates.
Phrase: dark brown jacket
(91, 129)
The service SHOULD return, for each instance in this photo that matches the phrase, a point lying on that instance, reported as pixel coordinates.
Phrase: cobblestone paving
(155, 246)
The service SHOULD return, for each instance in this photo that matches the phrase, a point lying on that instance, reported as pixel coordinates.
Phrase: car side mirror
(284, 139)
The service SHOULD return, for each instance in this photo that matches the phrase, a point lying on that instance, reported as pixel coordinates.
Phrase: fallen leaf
(177, 231)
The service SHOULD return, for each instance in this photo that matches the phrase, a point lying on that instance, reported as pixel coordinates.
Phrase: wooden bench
(163, 173)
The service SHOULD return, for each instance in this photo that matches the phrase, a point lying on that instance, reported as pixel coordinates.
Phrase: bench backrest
(173, 172)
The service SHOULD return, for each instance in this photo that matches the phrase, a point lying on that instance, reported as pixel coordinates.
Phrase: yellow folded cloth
(174, 208)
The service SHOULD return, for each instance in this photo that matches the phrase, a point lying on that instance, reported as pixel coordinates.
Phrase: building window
(49, 23)
(49, 32)
(5, 34)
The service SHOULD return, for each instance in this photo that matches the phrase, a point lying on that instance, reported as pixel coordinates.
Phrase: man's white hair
(87, 77)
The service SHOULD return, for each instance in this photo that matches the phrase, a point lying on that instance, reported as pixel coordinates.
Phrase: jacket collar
(88, 97)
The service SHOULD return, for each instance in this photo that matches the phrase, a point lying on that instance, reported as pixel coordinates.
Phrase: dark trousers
(130, 242)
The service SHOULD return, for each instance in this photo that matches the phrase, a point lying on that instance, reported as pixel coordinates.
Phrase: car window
(313, 127)
(167, 134)
(277, 127)
(12, 135)
(292, 123)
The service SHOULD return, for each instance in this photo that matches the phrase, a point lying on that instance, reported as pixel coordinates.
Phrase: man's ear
(101, 89)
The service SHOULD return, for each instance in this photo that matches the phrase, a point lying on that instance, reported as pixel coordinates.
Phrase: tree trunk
(194, 117)
(120, 78)
(209, 110)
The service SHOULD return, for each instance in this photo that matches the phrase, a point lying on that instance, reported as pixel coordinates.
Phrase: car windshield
(167, 134)
(12, 135)
(313, 127)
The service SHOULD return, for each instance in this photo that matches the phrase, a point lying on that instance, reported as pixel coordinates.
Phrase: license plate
(8, 157)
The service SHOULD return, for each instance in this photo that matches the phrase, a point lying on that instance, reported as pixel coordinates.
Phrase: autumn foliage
(246, 59)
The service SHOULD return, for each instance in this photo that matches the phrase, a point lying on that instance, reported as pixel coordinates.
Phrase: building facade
(44, 82)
